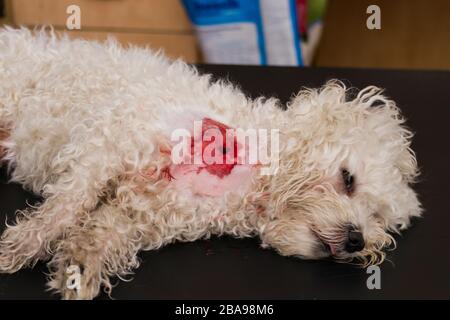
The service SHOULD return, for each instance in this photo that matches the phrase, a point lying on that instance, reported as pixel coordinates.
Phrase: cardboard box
(156, 23)
(174, 45)
(156, 15)
(414, 35)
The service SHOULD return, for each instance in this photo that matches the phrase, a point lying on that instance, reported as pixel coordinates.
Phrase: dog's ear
(406, 161)
(317, 106)
(384, 118)
(306, 100)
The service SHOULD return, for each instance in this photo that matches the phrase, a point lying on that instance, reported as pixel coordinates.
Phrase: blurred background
(402, 34)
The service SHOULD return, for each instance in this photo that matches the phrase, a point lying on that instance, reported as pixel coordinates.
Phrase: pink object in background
(302, 17)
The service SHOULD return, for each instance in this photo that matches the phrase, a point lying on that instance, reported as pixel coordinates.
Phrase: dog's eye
(348, 180)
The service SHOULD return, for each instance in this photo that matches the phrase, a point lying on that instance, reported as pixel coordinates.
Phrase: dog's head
(345, 176)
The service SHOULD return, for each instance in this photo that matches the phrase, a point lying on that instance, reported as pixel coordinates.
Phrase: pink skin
(188, 177)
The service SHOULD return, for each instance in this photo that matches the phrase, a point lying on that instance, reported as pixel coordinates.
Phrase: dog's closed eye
(348, 181)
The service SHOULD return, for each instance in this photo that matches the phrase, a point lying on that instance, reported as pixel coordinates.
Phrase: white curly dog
(89, 126)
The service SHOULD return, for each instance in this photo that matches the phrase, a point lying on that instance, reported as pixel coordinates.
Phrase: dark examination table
(228, 268)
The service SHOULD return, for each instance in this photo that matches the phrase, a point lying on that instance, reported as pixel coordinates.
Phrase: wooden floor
(415, 34)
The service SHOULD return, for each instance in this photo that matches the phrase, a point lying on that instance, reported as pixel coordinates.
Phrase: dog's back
(56, 92)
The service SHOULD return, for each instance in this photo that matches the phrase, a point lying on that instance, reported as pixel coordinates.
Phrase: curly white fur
(83, 123)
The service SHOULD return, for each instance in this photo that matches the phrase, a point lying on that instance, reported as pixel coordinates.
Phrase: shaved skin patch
(203, 183)
(213, 179)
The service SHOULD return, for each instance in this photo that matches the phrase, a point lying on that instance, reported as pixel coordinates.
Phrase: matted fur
(83, 123)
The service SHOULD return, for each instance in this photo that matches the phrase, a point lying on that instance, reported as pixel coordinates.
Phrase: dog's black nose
(355, 241)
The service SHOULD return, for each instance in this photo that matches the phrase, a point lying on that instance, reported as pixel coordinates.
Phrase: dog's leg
(105, 245)
(36, 229)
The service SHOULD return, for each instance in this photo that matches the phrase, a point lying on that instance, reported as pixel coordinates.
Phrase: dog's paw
(21, 245)
(77, 294)
(14, 256)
